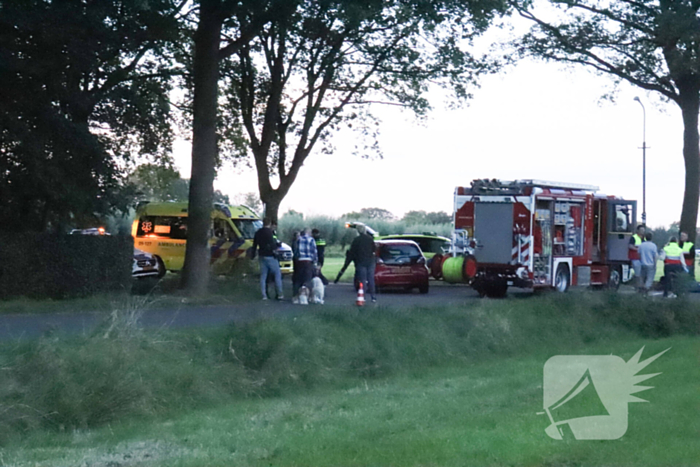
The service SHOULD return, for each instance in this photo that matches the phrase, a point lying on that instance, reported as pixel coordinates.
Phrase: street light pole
(644, 163)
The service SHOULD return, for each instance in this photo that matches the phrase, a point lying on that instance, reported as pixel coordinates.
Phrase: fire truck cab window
(622, 219)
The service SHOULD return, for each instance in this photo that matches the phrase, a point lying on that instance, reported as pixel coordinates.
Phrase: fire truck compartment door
(621, 222)
(493, 230)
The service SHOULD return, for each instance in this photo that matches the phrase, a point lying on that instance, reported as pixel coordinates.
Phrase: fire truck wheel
(562, 279)
(497, 289)
(615, 278)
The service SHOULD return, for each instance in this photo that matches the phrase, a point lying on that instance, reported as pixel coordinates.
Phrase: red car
(401, 264)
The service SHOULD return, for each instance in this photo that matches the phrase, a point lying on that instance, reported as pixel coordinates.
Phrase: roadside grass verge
(121, 372)
(480, 413)
(166, 293)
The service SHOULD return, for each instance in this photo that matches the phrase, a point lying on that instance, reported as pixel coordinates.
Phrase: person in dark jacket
(321, 251)
(264, 242)
(363, 253)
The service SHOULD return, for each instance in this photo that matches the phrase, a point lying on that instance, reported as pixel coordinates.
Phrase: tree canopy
(369, 213)
(651, 44)
(423, 217)
(162, 182)
(319, 67)
(84, 85)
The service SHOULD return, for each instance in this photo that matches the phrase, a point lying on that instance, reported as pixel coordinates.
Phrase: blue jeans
(269, 264)
(365, 274)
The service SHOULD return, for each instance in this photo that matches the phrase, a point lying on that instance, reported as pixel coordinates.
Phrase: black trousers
(303, 273)
(672, 273)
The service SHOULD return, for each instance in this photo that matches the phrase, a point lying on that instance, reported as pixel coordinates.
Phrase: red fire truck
(537, 234)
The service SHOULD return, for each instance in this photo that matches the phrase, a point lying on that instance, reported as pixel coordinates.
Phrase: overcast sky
(532, 121)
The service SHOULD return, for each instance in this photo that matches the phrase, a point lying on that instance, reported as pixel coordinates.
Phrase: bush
(59, 266)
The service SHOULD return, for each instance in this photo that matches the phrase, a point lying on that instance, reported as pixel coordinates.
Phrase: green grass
(332, 266)
(483, 413)
(438, 386)
(223, 290)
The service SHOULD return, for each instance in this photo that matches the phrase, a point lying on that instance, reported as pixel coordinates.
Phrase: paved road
(25, 326)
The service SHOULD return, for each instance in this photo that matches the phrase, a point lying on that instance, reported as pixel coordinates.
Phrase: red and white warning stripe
(520, 253)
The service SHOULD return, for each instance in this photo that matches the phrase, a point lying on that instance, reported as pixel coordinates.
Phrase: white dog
(303, 295)
(318, 291)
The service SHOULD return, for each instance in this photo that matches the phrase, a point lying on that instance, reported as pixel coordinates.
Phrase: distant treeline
(333, 230)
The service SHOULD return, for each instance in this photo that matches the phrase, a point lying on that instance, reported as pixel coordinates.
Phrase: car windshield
(248, 227)
(399, 254)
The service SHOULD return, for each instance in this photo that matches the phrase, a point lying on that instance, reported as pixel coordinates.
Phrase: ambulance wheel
(562, 279)
(615, 278)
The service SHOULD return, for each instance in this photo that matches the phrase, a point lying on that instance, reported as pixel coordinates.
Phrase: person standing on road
(363, 254)
(688, 254)
(633, 253)
(672, 255)
(321, 250)
(648, 256)
(306, 261)
(264, 242)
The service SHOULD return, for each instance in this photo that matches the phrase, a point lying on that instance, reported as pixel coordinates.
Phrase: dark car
(401, 264)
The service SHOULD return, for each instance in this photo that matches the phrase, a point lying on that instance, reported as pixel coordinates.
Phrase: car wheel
(562, 279)
(424, 288)
(161, 267)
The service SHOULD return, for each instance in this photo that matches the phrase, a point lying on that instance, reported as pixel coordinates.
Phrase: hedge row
(334, 232)
(59, 266)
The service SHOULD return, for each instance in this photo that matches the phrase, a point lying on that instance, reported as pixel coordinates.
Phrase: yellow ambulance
(161, 229)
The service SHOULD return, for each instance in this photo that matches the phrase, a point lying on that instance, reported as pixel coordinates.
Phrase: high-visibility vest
(320, 242)
(674, 254)
(687, 248)
(634, 254)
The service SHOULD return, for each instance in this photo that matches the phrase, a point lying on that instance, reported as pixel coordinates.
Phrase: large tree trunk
(204, 147)
(689, 101)
(272, 200)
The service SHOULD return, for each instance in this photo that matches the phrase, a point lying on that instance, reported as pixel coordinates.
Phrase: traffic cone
(360, 296)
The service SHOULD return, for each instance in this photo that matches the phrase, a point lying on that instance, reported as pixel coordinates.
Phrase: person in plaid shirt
(307, 257)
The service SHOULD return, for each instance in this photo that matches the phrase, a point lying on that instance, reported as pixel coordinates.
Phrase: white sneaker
(295, 300)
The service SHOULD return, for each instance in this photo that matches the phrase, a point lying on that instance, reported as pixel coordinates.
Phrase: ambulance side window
(222, 229)
(163, 226)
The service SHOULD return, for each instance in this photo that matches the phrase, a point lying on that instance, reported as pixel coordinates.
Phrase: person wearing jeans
(648, 255)
(307, 257)
(265, 242)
